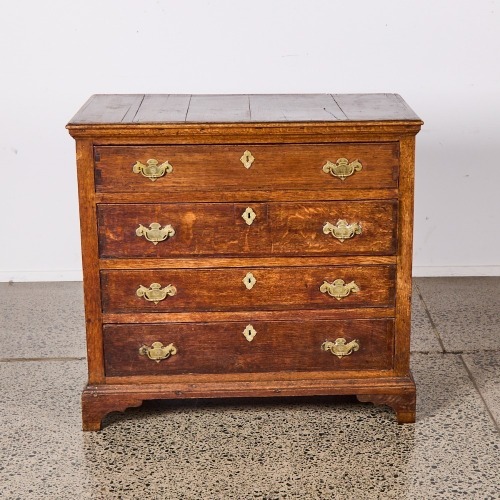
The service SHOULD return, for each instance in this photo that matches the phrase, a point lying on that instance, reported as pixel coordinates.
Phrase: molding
(448, 271)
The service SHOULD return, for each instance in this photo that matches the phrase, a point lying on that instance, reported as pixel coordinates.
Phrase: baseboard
(418, 272)
(445, 271)
(56, 275)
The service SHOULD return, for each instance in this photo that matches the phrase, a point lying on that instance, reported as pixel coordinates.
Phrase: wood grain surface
(222, 347)
(218, 168)
(224, 290)
(206, 229)
(253, 108)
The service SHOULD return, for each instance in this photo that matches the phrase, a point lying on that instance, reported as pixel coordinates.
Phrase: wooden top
(124, 109)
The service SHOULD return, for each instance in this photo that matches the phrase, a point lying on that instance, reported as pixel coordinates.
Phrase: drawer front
(204, 229)
(334, 228)
(215, 168)
(224, 348)
(225, 229)
(175, 290)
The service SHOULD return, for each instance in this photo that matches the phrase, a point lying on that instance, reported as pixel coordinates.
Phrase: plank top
(132, 109)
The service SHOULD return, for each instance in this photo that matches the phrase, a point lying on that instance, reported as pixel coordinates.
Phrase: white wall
(442, 56)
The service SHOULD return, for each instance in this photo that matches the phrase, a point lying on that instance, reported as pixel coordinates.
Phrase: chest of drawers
(246, 245)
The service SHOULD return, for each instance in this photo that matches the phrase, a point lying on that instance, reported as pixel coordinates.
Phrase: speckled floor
(311, 448)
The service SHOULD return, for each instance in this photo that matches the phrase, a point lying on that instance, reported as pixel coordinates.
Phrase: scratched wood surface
(224, 290)
(254, 108)
(219, 168)
(222, 348)
(206, 229)
(203, 137)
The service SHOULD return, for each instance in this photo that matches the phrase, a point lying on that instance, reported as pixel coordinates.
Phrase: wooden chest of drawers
(246, 245)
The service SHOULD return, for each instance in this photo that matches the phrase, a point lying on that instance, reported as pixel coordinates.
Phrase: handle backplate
(338, 288)
(340, 347)
(342, 168)
(158, 351)
(342, 230)
(152, 169)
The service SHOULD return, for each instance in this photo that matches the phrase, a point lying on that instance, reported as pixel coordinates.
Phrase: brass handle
(158, 351)
(155, 293)
(340, 347)
(342, 230)
(338, 289)
(247, 159)
(152, 170)
(342, 168)
(155, 233)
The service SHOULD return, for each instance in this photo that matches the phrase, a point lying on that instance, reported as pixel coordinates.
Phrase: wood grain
(203, 138)
(218, 168)
(224, 290)
(222, 347)
(205, 229)
(256, 108)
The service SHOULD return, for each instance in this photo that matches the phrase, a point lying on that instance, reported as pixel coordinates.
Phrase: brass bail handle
(338, 288)
(342, 168)
(342, 230)
(155, 233)
(340, 347)
(153, 169)
(157, 351)
(155, 293)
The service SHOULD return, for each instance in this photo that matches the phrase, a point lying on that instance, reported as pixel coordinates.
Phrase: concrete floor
(303, 448)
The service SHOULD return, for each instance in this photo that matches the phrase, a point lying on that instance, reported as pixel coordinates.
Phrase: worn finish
(221, 347)
(274, 229)
(272, 288)
(166, 108)
(219, 168)
(248, 210)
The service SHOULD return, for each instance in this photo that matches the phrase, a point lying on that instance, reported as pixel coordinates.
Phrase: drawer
(262, 288)
(224, 348)
(225, 229)
(215, 168)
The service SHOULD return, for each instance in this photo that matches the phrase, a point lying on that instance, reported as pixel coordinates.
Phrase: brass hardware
(155, 233)
(338, 288)
(158, 351)
(152, 170)
(155, 293)
(247, 159)
(249, 280)
(342, 230)
(249, 216)
(249, 332)
(340, 348)
(342, 168)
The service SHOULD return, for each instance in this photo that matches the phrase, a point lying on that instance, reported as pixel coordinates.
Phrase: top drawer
(160, 169)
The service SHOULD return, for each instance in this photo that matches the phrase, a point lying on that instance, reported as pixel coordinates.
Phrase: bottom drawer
(238, 347)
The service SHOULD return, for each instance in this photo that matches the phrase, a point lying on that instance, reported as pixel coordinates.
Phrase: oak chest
(246, 245)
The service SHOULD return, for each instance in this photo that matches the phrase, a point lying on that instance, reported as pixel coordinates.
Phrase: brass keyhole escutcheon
(249, 280)
(247, 159)
(249, 216)
(249, 332)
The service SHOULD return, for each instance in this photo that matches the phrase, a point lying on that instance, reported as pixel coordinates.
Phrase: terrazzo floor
(305, 448)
